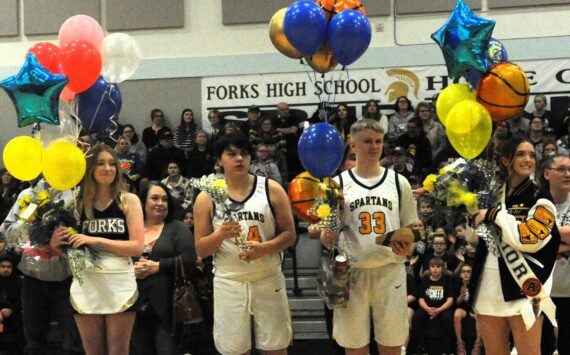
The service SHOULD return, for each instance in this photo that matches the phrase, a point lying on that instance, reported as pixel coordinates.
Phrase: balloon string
(114, 125)
(73, 113)
(105, 93)
(313, 81)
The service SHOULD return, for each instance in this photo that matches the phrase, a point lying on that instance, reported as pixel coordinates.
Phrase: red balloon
(48, 55)
(81, 63)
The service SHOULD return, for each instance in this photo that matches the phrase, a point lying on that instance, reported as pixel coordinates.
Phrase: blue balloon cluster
(321, 150)
(347, 35)
(98, 105)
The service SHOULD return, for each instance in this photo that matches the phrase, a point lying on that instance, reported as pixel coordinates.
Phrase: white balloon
(121, 57)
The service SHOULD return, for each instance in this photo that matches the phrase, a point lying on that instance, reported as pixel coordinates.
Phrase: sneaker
(460, 348)
(477, 348)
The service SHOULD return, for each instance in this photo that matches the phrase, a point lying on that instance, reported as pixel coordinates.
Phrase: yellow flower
(323, 211)
(429, 183)
(71, 230)
(323, 186)
(25, 201)
(43, 198)
(219, 184)
(470, 202)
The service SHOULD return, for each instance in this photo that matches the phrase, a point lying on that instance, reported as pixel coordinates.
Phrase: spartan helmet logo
(406, 80)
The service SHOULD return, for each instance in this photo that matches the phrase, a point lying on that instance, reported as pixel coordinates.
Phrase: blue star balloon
(464, 40)
(35, 93)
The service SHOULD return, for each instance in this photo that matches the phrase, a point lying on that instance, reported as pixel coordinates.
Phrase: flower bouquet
(217, 189)
(41, 213)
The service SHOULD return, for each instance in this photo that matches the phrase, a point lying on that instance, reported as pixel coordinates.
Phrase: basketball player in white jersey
(248, 284)
(376, 201)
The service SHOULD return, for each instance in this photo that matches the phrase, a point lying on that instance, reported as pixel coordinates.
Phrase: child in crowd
(426, 213)
(434, 312)
(438, 249)
(264, 165)
(464, 312)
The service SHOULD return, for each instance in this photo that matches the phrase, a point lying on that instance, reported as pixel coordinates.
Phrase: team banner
(232, 95)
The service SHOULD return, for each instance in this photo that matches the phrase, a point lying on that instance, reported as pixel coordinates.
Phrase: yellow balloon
(63, 165)
(323, 61)
(450, 96)
(469, 128)
(278, 37)
(23, 158)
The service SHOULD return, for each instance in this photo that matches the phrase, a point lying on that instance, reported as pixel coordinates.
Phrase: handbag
(185, 306)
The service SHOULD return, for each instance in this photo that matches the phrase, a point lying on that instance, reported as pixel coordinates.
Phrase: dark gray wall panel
(250, 11)
(378, 7)
(47, 16)
(236, 12)
(144, 14)
(9, 18)
(497, 4)
(407, 7)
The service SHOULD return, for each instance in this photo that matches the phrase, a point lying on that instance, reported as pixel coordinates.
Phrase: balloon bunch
(91, 65)
(62, 162)
(497, 90)
(325, 32)
(83, 71)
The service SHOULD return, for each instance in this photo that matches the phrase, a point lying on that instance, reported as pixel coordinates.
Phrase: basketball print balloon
(333, 7)
(504, 91)
(303, 190)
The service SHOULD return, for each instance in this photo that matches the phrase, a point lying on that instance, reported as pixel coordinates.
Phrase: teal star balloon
(464, 40)
(35, 91)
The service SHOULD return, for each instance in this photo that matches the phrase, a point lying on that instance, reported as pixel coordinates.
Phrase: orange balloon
(323, 61)
(303, 190)
(504, 91)
(333, 7)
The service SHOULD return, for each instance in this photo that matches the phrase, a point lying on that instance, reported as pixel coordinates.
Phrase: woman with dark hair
(373, 112)
(200, 159)
(150, 134)
(512, 272)
(136, 146)
(9, 190)
(112, 225)
(342, 120)
(185, 133)
(403, 112)
(164, 240)
(129, 162)
(434, 131)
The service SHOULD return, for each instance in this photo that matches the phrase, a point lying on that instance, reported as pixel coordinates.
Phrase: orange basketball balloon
(333, 7)
(303, 190)
(504, 91)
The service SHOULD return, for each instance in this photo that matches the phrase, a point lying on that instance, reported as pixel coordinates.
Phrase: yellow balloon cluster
(450, 96)
(469, 128)
(62, 162)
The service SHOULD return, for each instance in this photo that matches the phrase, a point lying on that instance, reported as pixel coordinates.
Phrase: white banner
(232, 95)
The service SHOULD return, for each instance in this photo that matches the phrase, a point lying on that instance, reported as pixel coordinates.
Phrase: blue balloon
(35, 91)
(496, 53)
(305, 26)
(321, 150)
(98, 105)
(473, 77)
(464, 40)
(349, 36)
